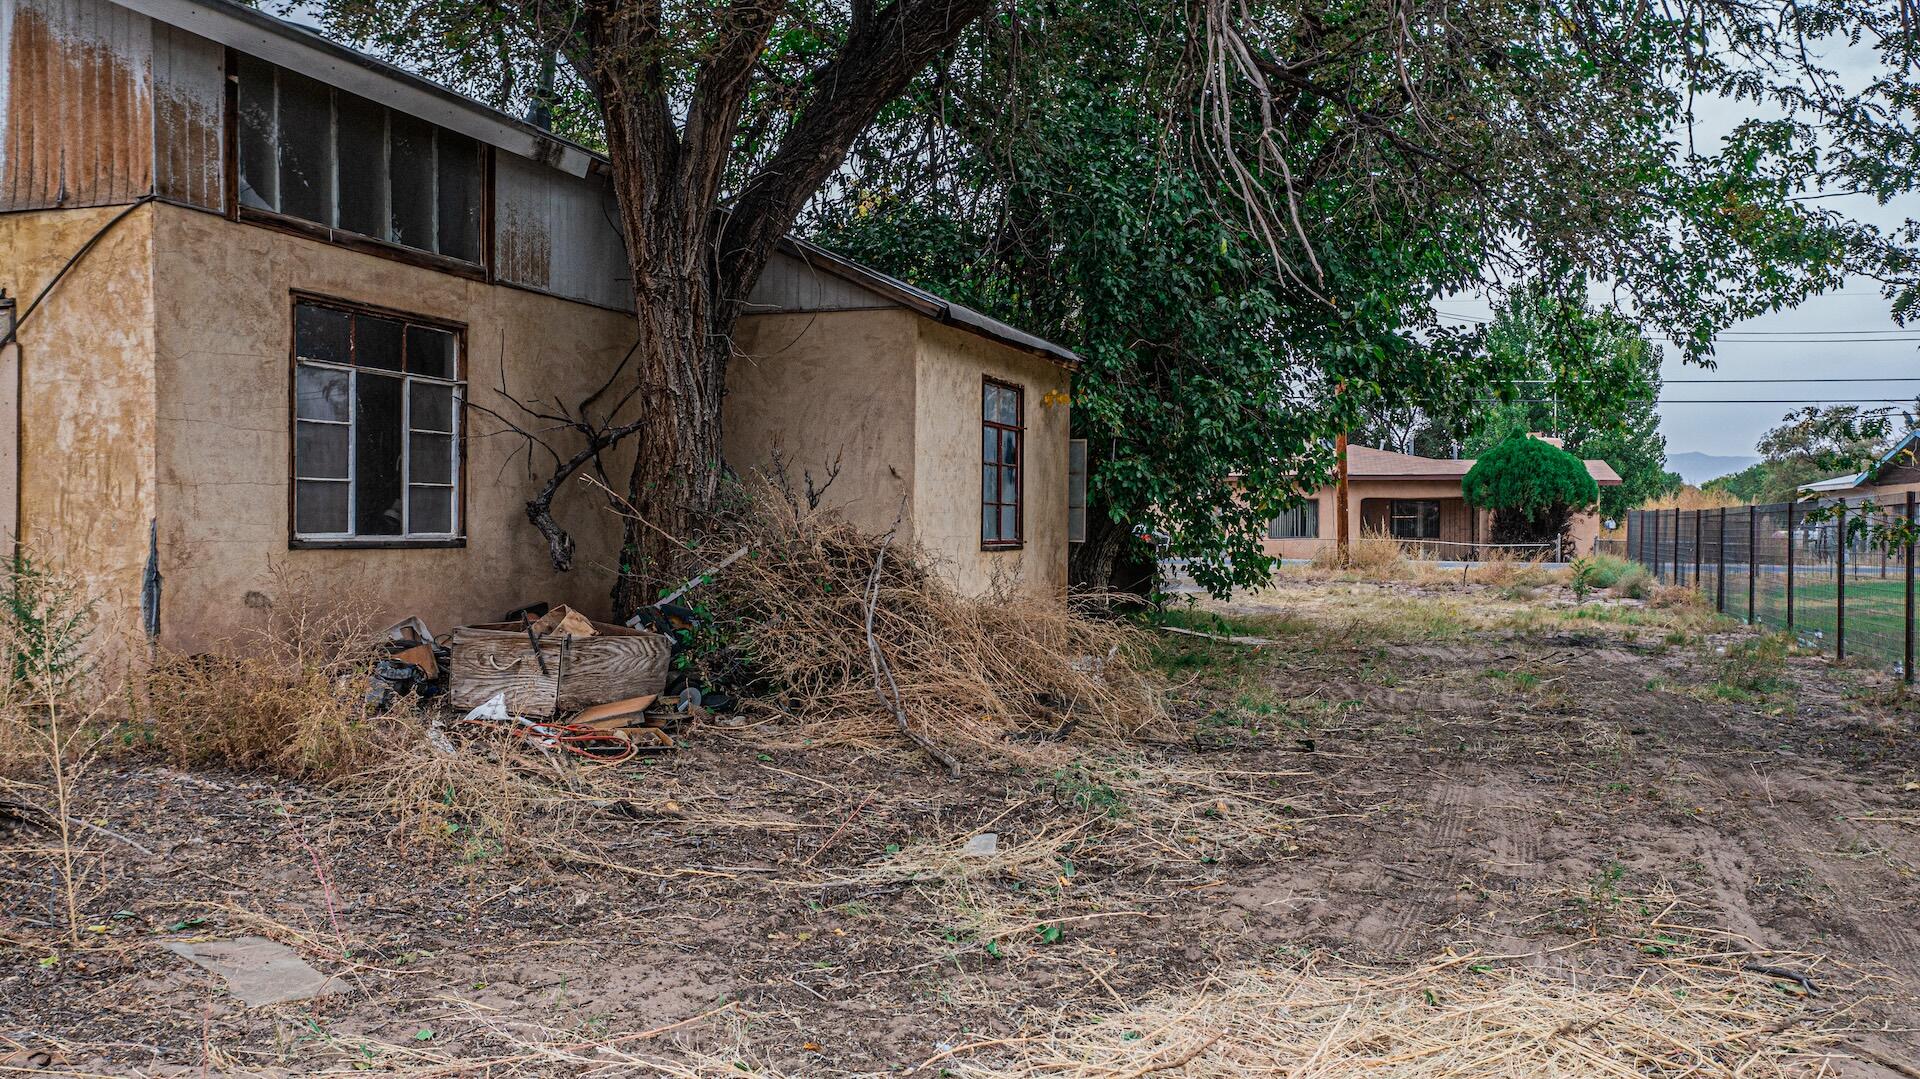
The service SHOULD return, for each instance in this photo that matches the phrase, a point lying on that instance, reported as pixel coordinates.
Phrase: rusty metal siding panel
(557, 233)
(188, 134)
(789, 284)
(78, 127)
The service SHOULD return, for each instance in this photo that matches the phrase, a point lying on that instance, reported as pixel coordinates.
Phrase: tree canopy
(1562, 367)
(1241, 215)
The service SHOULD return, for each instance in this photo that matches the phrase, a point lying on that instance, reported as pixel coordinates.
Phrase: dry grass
(291, 698)
(1452, 1017)
(968, 671)
(1690, 497)
(1372, 554)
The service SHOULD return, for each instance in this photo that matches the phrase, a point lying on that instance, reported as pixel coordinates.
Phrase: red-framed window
(1002, 451)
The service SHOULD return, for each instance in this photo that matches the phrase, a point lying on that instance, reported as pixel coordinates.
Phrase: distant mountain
(1698, 468)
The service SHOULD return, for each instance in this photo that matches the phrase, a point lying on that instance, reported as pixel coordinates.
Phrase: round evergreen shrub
(1533, 488)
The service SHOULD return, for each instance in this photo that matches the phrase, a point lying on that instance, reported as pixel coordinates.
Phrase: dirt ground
(1407, 772)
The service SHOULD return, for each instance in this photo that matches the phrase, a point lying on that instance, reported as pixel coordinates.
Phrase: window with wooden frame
(1002, 437)
(376, 427)
(1414, 519)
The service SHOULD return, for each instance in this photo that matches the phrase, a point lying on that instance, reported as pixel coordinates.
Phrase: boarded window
(376, 445)
(1300, 522)
(1077, 490)
(324, 155)
(1414, 519)
(1001, 479)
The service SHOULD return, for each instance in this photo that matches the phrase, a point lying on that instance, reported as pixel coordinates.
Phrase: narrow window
(1077, 490)
(1300, 522)
(376, 447)
(1001, 436)
(1415, 519)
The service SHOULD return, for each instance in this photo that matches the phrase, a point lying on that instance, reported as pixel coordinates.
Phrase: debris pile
(855, 635)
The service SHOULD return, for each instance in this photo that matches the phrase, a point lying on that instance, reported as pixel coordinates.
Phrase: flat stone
(257, 970)
(982, 845)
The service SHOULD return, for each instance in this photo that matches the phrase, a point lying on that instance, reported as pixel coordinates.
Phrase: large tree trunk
(681, 360)
(693, 264)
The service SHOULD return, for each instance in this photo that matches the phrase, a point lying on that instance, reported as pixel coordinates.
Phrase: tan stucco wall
(1583, 529)
(223, 311)
(817, 387)
(87, 420)
(947, 463)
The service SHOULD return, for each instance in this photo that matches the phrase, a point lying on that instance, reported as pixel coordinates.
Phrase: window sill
(992, 547)
(379, 544)
(354, 241)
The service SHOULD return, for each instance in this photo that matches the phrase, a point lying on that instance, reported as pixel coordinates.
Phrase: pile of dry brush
(858, 634)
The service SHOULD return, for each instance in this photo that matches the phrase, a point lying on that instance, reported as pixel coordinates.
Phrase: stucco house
(267, 290)
(1413, 499)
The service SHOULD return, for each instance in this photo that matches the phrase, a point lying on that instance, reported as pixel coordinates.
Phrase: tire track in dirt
(1443, 845)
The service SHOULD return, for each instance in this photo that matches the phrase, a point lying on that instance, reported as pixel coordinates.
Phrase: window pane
(259, 161)
(430, 509)
(320, 393)
(459, 169)
(1009, 447)
(990, 402)
(319, 507)
(990, 445)
(306, 148)
(363, 166)
(376, 455)
(376, 342)
(320, 450)
(989, 483)
(322, 333)
(432, 458)
(1009, 523)
(410, 165)
(1009, 485)
(989, 522)
(432, 407)
(1009, 405)
(429, 352)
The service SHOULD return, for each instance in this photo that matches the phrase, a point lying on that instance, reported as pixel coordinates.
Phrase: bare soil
(1407, 771)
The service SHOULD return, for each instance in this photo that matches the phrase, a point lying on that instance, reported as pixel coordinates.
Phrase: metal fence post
(1652, 519)
(1840, 582)
(1753, 559)
(1720, 573)
(1790, 506)
(1676, 545)
(1699, 543)
(1906, 665)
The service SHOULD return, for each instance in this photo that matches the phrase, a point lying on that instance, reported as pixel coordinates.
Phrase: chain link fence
(1824, 572)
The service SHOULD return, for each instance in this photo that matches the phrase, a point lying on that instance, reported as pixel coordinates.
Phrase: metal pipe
(1840, 583)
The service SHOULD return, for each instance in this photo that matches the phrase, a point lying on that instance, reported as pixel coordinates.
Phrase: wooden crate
(616, 663)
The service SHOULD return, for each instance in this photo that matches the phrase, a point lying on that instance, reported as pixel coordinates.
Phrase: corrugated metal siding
(188, 96)
(789, 284)
(558, 233)
(78, 127)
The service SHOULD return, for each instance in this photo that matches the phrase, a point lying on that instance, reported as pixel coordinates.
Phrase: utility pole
(1342, 539)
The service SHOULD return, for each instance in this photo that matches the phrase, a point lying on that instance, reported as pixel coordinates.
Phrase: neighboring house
(273, 291)
(1887, 480)
(1415, 499)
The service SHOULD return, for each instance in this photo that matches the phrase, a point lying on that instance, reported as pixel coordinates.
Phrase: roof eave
(930, 305)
